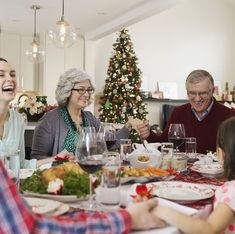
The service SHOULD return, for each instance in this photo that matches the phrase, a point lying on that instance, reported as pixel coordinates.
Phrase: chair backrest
(166, 112)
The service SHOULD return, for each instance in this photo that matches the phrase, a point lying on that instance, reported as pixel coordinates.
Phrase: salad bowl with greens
(67, 179)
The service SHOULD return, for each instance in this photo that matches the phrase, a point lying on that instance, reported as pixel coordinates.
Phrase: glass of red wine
(109, 132)
(89, 155)
(176, 135)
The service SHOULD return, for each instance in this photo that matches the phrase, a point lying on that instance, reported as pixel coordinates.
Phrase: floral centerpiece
(34, 107)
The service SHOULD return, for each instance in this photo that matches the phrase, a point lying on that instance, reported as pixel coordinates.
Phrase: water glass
(125, 148)
(110, 186)
(191, 146)
(167, 154)
(12, 165)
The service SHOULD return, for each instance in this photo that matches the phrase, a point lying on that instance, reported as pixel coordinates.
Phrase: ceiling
(92, 18)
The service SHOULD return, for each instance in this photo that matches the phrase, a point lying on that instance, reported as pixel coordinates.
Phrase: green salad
(74, 184)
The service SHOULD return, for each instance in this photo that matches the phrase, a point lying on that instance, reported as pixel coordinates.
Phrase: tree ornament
(138, 98)
(127, 86)
(107, 104)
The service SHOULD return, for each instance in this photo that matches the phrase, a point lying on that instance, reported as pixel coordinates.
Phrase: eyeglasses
(192, 94)
(82, 90)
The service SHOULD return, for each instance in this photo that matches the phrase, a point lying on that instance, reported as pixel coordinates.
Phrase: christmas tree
(122, 97)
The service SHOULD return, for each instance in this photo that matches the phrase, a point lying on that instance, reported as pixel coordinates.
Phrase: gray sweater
(51, 131)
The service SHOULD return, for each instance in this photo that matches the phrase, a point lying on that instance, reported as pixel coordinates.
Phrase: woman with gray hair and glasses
(57, 129)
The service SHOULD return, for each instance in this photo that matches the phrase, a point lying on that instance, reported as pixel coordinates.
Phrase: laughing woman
(57, 129)
(11, 122)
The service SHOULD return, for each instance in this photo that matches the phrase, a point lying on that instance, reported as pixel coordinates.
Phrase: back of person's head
(199, 75)
(4, 60)
(66, 83)
(226, 141)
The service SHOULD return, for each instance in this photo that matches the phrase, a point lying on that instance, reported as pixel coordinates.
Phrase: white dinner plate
(60, 210)
(214, 169)
(178, 191)
(61, 198)
(42, 206)
(46, 207)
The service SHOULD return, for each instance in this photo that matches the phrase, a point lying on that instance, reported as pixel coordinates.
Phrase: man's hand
(133, 123)
(144, 130)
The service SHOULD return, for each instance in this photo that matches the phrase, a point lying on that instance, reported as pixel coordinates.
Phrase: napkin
(207, 159)
(204, 161)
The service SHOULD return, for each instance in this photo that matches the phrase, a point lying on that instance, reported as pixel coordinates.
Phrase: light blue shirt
(13, 137)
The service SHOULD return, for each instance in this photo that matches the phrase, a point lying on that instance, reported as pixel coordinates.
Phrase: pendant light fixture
(64, 34)
(35, 53)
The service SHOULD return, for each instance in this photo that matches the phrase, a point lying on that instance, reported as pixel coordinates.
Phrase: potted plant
(34, 107)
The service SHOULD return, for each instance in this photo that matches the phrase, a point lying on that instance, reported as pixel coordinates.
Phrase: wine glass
(176, 135)
(109, 134)
(89, 155)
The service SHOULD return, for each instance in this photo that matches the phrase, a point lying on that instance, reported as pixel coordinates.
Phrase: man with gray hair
(201, 116)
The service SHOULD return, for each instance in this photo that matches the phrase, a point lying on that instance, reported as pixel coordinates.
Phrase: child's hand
(142, 217)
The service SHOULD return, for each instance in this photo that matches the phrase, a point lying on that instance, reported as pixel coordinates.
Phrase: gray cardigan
(50, 133)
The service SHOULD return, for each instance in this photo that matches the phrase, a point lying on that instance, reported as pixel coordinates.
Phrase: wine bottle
(233, 94)
(225, 92)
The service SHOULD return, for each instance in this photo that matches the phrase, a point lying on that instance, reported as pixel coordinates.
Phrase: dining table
(187, 176)
(201, 206)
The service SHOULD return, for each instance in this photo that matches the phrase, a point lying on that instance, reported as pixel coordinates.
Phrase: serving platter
(137, 179)
(145, 179)
(180, 192)
(142, 175)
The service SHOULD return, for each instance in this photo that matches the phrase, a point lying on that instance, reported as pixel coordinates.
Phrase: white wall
(58, 60)
(12, 48)
(194, 34)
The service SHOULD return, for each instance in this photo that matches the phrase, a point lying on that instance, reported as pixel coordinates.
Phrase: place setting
(177, 191)
(46, 206)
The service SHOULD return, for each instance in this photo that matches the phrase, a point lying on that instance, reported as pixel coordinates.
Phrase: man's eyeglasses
(82, 90)
(192, 94)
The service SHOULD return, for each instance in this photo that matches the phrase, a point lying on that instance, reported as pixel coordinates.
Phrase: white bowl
(143, 160)
(150, 146)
